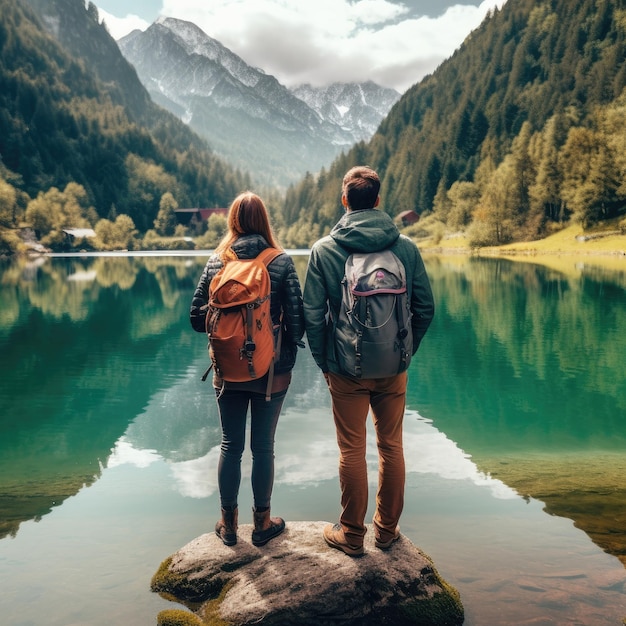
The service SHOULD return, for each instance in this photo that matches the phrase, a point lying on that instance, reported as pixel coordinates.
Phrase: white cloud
(328, 40)
(376, 11)
(312, 457)
(120, 26)
(124, 453)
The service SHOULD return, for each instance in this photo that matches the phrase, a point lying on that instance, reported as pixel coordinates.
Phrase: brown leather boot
(226, 528)
(266, 527)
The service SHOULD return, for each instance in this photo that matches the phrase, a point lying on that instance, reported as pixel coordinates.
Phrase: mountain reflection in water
(506, 416)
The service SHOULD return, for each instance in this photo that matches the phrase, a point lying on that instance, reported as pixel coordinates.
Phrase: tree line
(71, 143)
(520, 130)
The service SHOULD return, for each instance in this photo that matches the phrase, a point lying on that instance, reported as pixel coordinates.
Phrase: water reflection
(101, 397)
(181, 426)
(80, 357)
(98, 357)
(524, 365)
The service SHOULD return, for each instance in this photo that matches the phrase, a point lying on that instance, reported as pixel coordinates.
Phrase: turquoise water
(515, 439)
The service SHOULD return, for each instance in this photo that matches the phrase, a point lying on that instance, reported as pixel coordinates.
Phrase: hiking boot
(336, 538)
(226, 528)
(266, 527)
(385, 545)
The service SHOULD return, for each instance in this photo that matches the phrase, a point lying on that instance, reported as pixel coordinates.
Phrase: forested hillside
(521, 129)
(79, 132)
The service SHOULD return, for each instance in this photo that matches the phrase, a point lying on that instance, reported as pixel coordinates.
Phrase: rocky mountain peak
(232, 104)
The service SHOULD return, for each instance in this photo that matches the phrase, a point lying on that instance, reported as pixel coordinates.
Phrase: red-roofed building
(408, 217)
(187, 216)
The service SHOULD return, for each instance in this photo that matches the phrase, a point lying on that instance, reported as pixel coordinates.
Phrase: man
(363, 228)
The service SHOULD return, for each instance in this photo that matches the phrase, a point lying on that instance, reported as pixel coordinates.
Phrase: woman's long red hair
(247, 215)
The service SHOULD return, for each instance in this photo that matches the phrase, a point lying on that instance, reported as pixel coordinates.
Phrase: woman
(249, 233)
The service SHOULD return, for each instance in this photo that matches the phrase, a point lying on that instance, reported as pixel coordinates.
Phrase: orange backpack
(238, 321)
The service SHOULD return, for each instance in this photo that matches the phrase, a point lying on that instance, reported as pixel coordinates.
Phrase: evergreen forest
(81, 143)
(521, 131)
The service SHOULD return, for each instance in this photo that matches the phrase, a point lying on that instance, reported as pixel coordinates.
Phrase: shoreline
(572, 244)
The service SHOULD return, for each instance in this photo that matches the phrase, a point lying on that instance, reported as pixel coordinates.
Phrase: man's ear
(344, 201)
(377, 201)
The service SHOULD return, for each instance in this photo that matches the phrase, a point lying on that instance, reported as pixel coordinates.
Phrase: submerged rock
(296, 579)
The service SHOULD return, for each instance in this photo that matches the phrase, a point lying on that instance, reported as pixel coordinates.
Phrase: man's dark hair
(360, 187)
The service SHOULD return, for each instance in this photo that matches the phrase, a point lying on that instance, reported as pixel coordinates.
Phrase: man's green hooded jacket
(365, 230)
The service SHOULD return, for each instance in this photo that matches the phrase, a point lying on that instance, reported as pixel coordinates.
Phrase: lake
(515, 438)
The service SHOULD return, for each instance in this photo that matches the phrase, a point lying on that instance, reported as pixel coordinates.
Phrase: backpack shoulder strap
(268, 255)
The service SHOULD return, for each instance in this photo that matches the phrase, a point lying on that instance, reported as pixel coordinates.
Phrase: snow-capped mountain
(356, 107)
(245, 114)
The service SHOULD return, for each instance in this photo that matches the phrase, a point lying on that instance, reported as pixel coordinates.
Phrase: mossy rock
(297, 580)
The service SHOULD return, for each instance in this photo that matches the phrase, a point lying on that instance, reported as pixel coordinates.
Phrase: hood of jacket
(365, 230)
(249, 246)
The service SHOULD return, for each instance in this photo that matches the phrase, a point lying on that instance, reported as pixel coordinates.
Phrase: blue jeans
(233, 409)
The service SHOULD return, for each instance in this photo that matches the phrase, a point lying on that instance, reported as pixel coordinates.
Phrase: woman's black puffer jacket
(286, 297)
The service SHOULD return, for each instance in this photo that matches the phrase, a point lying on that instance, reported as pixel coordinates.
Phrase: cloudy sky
(392, 42)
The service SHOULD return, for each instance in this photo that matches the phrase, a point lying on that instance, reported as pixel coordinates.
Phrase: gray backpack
(373, 337)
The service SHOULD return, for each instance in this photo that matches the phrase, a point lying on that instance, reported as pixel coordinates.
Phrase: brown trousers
(351, 401)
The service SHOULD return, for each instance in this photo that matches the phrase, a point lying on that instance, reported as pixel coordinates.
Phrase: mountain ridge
(519, 131)
(73, 111)
(232, 104)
